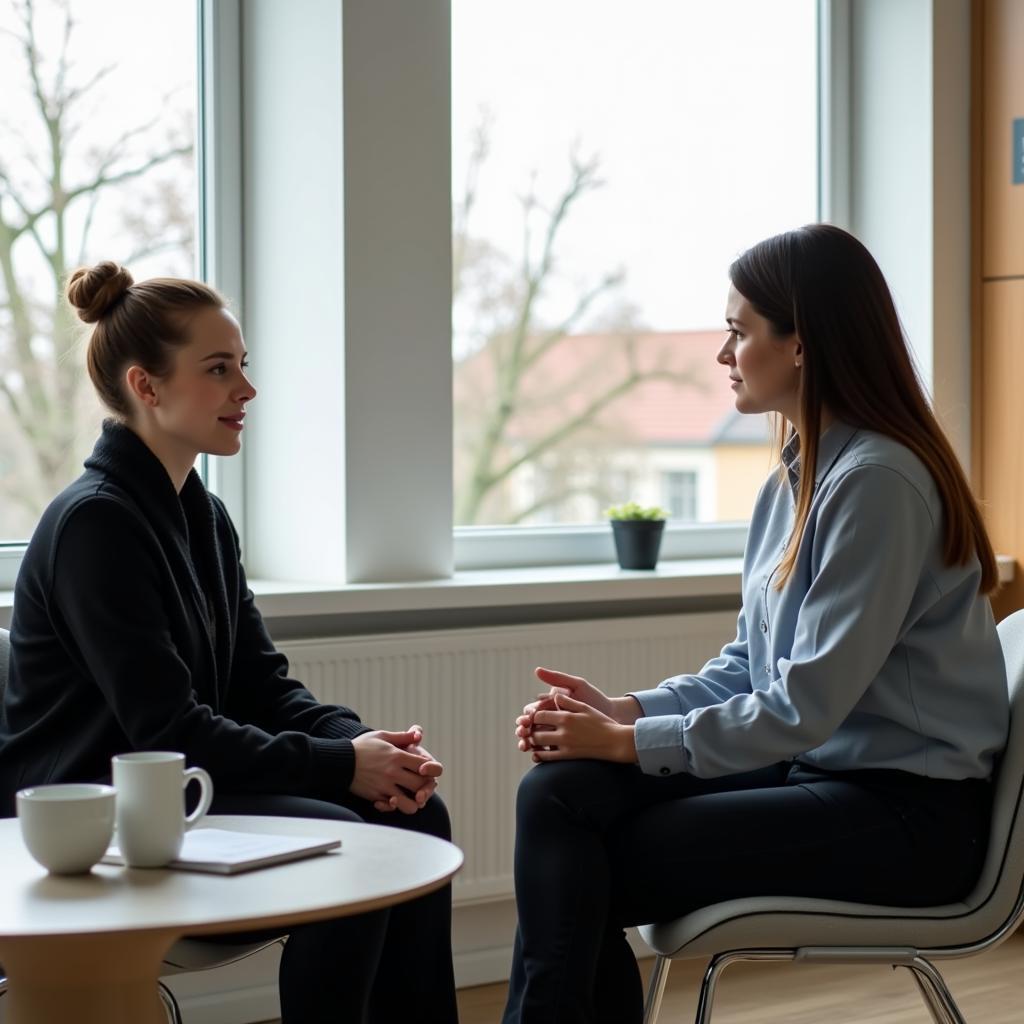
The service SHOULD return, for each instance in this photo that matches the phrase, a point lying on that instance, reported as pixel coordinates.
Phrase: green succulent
(631, 510)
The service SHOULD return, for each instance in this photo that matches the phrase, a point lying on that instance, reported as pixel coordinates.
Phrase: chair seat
(198, 955)
(769, 922)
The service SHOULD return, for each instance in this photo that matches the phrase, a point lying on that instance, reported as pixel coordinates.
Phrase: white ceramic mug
(67, 827)
(151, 820)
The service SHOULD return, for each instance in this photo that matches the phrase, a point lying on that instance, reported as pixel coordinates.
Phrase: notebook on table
(224, 852)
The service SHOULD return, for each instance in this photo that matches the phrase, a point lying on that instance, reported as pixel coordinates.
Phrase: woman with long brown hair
(841, 745)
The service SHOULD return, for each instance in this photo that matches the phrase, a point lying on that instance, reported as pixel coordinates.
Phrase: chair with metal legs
(830, 931)
(189, 955)
(186, 955)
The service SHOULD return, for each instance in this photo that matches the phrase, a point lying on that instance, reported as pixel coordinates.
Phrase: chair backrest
(5, 655)
(1001, 883)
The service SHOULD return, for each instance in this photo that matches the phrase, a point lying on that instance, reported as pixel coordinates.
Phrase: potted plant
(637, 531)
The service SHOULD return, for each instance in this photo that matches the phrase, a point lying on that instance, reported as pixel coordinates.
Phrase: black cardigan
(134, 629)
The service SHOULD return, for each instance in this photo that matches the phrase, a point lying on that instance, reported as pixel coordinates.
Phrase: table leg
(89, 979)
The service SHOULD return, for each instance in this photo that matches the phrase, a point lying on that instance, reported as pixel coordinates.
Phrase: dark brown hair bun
(94, 290)
(136, 324)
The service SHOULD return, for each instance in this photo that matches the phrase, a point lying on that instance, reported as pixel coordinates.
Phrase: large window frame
(391, 521)
(219, 228)
(419, 551)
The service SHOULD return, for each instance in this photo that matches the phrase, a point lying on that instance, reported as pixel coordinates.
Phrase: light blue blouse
(876, 654)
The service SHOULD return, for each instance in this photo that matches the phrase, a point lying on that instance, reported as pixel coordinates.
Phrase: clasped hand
(576, 720)
(394, 771)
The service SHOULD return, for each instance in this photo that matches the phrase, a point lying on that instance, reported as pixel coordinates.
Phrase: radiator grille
(465, 688)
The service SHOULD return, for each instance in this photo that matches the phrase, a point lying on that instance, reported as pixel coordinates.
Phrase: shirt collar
(830, 447)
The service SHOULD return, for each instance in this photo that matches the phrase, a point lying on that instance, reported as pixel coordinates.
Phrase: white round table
(88, 948)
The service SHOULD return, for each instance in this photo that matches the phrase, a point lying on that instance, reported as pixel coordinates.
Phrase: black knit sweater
(134, 629)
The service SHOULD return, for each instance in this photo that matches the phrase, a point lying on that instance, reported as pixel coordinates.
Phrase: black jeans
(378, 968)
(601, 846)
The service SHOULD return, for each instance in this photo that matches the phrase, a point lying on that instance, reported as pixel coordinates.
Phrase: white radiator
(465, 688)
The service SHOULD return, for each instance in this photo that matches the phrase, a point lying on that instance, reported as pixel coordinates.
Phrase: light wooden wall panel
(997, 286)
(1002, 427)
(1002, 75)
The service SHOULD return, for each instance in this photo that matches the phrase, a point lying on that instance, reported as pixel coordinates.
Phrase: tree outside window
(608, 164)
(97, 163)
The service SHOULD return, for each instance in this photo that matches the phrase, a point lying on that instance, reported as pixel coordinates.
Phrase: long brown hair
(824, 285)
(136, 323)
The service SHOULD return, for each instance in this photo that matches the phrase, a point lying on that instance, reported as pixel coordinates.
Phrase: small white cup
(151, 820)
(67, 827)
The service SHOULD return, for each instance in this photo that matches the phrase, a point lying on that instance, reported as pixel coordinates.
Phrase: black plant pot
(637, 542)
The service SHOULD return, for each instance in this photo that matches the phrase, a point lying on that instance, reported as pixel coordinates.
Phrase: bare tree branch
(143, 252)
(583, 304)
(555, 498)
(584, 179)
(32, 58)
(116, 148)
(62, 60)
(529, 202)
(512, 358)
(12, 399)
(47, 254)
(83, 242)
(463, 208)
(72, 96)
(10, 192)
(103, 181)
(12, 133)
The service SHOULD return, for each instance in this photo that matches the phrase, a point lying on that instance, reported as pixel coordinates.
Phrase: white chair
(830, 931)
(186, 955)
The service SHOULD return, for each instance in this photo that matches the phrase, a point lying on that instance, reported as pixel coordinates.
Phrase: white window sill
(691, 580)
(496, 588)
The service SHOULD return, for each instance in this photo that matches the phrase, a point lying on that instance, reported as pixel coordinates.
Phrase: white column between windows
(293, 318)
(398, 286)
(347, 251)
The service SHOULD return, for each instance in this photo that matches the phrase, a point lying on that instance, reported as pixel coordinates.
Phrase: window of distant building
(680, 495)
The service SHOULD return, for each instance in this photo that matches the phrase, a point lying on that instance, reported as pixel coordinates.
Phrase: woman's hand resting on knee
(577, 720)
(394, 771)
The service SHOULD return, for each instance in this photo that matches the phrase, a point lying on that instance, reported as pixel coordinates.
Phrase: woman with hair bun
(842, 745)
(134, 629)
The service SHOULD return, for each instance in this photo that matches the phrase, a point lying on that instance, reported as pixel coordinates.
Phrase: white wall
(909, 180)
(347, 281)
(293, 319)
(398, 263)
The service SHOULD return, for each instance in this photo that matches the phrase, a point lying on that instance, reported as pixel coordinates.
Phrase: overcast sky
(703, 116)
(150, 48)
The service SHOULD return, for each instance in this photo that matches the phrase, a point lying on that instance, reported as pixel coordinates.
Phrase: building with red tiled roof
(672, 437)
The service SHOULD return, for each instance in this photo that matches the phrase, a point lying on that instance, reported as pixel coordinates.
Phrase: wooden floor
(989, 989)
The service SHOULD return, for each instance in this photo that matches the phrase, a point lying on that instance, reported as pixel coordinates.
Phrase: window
(368, 472)
(608, 163)
(97, 163)
(680, 490)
